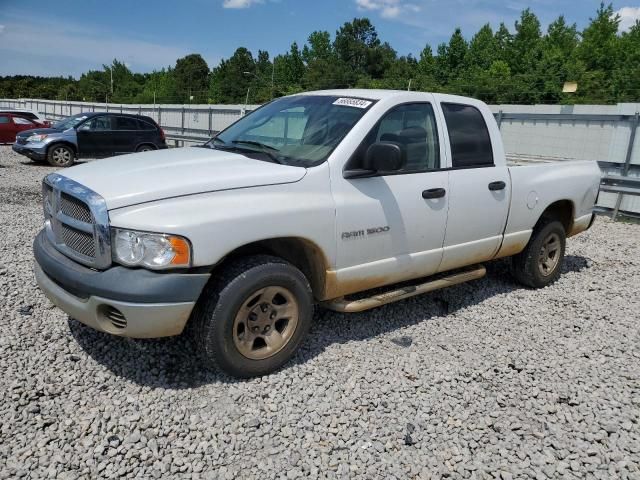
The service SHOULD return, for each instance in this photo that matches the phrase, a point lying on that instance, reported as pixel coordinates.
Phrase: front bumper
(28, 150)
(128, 302)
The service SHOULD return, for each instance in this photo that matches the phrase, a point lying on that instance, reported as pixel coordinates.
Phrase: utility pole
(111, 72)
(409, 87)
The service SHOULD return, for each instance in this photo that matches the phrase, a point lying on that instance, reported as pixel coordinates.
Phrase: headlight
(38, 137)
(150, 250)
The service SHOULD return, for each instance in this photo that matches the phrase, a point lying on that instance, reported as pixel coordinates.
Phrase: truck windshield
(69, 122)
(301, 130)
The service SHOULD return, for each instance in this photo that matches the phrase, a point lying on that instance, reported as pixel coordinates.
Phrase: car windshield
(300, 130)
(69, 122)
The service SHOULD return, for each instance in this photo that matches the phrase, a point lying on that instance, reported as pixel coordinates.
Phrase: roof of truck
(379, 94)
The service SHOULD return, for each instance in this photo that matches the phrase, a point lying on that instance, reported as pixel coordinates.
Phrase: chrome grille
(75, 208)
(81, 242)
(76, 221)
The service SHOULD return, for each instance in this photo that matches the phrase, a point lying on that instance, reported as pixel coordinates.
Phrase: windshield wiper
(257, 144)
(266, 149)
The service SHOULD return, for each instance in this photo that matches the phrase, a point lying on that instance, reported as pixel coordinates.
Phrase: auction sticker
(353, 102)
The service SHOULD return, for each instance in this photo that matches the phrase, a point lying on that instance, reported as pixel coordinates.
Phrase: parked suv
(91, 135)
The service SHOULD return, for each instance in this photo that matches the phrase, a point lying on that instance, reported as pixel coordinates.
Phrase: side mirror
(85, 127)
(384, 157)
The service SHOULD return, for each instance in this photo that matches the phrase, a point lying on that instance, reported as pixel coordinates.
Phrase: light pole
(262, 79)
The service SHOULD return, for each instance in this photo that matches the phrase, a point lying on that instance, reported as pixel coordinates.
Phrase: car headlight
(151, 250)
(38, 137)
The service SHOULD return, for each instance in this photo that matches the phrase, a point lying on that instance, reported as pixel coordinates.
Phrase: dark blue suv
(90, 135)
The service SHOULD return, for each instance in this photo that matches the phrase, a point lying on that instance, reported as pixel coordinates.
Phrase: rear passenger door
(126, 134)
(479, 191)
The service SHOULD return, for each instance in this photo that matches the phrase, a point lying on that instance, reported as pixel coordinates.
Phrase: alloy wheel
(265, 322)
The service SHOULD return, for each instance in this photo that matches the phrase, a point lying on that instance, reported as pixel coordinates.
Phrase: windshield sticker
(353, 102)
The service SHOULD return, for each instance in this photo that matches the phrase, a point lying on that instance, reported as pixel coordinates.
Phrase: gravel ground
(481, 380)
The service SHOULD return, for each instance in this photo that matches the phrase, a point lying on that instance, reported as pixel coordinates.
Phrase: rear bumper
(36, 153)
(127, 302)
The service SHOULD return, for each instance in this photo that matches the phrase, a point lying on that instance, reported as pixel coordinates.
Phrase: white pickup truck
(306, 201)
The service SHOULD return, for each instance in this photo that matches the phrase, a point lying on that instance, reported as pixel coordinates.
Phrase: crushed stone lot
(482, 380)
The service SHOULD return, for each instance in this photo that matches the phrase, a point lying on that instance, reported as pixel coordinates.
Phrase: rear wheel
(61, 156)
(540, 263)
(253, 318)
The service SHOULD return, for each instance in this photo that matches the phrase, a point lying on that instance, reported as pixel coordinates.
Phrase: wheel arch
(561, 210)
(302, 253)
(66, 143)
(142, 144)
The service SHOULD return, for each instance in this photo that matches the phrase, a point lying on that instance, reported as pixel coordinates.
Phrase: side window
(126, 123)
(98, 124)
(469, 136)
(4, 119)
(144, 125)
(413, 128)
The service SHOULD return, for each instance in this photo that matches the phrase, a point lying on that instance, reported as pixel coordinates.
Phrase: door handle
(493, 186)
(434, 193)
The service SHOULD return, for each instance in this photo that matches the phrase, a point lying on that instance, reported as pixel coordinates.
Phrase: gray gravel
(483, 380)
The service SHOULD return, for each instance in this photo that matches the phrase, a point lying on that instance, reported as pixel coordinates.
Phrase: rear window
(126, 123)
(469, 136)
(4, 119)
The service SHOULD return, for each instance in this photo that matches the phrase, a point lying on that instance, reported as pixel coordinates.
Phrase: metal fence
(603, 133)
(190, 123)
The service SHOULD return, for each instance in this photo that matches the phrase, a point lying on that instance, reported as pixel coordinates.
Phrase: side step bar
(350, 306)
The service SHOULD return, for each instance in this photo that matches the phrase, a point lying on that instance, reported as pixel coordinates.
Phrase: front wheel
(61, 156)
(253, 317)
(540, 263)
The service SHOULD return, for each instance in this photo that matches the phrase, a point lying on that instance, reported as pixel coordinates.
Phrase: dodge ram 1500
(305, 201)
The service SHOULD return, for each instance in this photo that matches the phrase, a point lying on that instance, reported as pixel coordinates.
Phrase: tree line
(525, 65)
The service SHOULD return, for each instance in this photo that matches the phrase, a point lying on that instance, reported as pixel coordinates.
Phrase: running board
(350, 306)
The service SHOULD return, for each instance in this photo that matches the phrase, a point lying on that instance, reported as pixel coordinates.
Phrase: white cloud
(239, 3)
(2, 27)
(628, 17)
(387, 8)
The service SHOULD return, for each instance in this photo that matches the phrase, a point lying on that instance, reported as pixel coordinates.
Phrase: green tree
(192, 78)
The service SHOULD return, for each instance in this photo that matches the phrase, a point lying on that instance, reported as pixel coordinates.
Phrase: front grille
(21, 140)
(77, 240)
(76, 221)
(75, 208)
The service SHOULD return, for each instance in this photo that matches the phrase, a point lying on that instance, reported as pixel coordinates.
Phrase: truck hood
(145, 177)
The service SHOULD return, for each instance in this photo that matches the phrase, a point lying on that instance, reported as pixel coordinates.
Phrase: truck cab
(303, 203)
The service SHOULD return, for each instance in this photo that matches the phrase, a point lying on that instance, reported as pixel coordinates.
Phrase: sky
(71, 37)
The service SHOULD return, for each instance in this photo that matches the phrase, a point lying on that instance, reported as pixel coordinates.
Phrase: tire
(235, 321)
(61, 155)
(144, 148)
(540, 263)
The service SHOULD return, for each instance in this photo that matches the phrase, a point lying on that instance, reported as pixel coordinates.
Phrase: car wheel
(60, 156)
(540, 263)
(253, 318)
(144, 148)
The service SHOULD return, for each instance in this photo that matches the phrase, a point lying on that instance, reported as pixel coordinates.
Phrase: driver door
(95, 137)
(391, 227)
